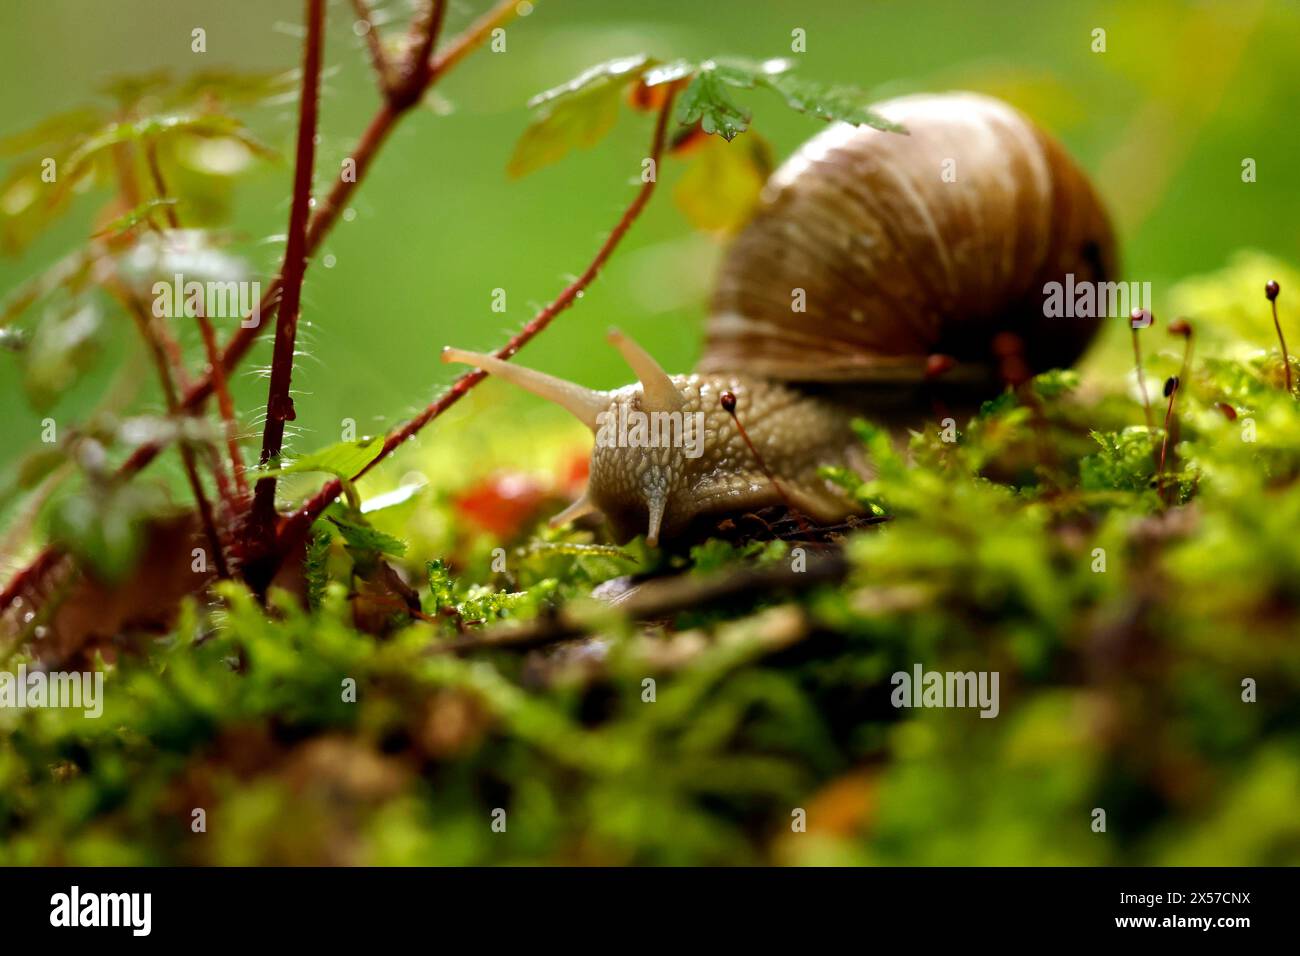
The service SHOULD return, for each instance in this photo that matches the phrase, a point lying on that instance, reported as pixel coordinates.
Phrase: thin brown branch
(148, 332)
(375, 43)
(160, 184)
(425, 27)
(279, 404)
(225, 404)
(318, 503)
(474, 36)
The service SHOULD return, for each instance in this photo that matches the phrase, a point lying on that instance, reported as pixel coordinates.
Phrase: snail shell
(906, 246)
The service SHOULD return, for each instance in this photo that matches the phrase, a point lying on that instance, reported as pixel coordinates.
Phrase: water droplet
(329, 261)
(361, 27)
(349, 214)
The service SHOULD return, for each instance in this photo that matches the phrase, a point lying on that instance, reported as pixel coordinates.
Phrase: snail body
(872, 254)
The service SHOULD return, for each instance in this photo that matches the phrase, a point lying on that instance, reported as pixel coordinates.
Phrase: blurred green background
(1163, 120)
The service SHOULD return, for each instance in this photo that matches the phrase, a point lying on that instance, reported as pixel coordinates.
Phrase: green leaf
(576, 114)
(843, 104)
(142, 213)
(669, 72)
(362, 537)
(617, 72)
(707, 102)
(343, 460)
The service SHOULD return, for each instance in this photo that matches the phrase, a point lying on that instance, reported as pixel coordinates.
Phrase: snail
(873, 260)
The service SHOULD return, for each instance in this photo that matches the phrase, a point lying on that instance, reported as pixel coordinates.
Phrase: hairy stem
(279, 404)
(375, 43)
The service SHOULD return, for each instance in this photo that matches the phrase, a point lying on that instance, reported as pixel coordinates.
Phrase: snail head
(650, 449)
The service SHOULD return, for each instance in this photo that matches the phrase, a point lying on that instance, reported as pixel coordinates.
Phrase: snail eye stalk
(584, 403)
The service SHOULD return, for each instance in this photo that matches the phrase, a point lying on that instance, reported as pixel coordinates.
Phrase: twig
(279, 404)
(425, 27)
(378, 59)
(140, 313)
(225, 403)
(318, 503)
(159, 184)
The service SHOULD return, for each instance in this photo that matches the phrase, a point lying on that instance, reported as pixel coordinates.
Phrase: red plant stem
(297, 522)
(323, 219)
(378, 59)
(425, 28)
(140, 313)
(225, 403)
(159, 184)
(172, 347)
(279, 404)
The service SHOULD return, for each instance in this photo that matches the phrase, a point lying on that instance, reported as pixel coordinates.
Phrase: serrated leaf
(707, 102)
(843, 104)
(746, 74)
(577, 114)
(618, 71)
(721, 185)
(343, 460)
(362, 537)
(669, 72)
